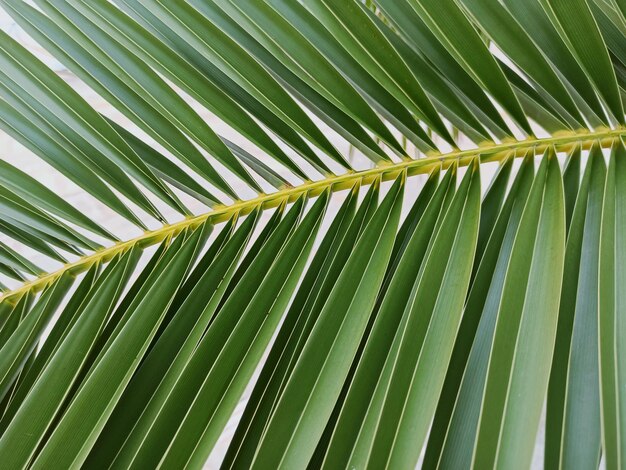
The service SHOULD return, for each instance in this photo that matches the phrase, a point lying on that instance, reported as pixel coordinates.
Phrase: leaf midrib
(563, 142)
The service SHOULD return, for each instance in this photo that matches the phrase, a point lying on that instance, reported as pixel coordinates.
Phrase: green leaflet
(36, 243)
(255, 249)
(93, 403)
(403, 238)
(524, 338)
(49, 391)
(359, 47)
(383, 437)
(162, 101)
(23, 339)
(259, 321)
(68, 316)
(24, 75)
(577, 352)
(441, 92)
(453, 433)
(574, 190)
(584, 39)
(206, 288)
(491, 206)
(318, 72)
(268, 174)
(131, 34)
(16, 261)
(11, 272)
(112, 81)
(229, 338)
(571, 183)
(165, 168)
(308, 305)
(310, 94)
(381, 337)
(515, 42)
(64, 159)
(27, 187)
(227, 316)
(416, 33)
(15, 207)
(533, 18)
(13, 317)
(448, 23)
(290, 436)
(280, 360)
(235, 62)
(611, 307)
(164, 255)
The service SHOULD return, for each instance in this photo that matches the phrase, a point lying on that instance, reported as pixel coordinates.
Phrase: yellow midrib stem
(563, 142)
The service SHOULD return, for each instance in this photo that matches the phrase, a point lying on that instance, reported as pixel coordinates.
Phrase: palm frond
(295, 297)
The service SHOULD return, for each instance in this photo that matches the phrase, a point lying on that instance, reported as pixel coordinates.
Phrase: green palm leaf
(372, 234)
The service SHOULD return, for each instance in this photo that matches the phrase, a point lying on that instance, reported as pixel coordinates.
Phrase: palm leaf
(373, 234)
